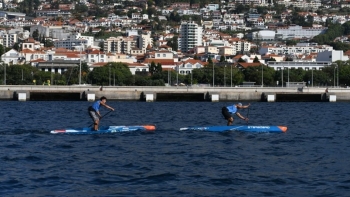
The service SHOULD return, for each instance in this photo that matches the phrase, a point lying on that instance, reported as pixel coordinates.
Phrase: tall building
(190, 36)
(119, 44)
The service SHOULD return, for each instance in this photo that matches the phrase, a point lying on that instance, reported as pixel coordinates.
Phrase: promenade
(164, 93)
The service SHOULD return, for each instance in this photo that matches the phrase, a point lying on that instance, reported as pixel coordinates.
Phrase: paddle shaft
(101, 117)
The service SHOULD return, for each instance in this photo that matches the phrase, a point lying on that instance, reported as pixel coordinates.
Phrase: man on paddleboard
(232, 109)
(94, 111)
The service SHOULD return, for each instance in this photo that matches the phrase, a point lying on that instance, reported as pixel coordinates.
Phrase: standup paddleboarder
(94, 111)
(232, 109)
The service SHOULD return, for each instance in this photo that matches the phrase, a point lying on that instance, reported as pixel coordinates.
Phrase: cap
(239, 104)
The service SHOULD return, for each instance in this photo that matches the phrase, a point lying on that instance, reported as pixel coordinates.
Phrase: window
(164, 55)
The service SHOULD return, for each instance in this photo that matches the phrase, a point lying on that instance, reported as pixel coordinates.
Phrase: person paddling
(232, 109)
(94, 111)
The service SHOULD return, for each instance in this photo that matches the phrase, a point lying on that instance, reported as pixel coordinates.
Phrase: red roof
(245, 65)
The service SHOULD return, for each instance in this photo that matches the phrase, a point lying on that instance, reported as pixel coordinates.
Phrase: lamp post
(225, 76)
(191, 78)
(177, 75)
(213, 75)
(334, 77)
(109, 75)
(262, 75)
(4, 73)
(81, 49)
(282, 76)
(51, 82)
(312, 77)
(288, 77)
(231, 75)
(337, 76)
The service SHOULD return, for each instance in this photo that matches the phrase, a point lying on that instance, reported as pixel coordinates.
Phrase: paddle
(102, 117)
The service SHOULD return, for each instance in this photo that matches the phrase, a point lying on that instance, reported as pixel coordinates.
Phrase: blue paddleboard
(243, 128)
(109, 129)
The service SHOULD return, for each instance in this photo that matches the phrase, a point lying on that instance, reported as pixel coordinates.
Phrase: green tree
(241, 60)
(222, 58)
(106, 75)
(36, 34)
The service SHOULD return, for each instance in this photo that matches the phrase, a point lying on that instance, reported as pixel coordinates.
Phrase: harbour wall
(181, 93)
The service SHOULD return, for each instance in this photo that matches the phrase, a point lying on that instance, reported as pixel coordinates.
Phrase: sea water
(311, 159)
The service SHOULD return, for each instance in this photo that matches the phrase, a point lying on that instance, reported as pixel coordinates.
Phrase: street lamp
(191, 77)
(312, 77)
(225, 76)
(81, 49)
(3, 63)
(231, 75)
(177, 75)
(109, 75)
(334, 76)
(337, 76)
(282, 76)
(288, 76)
(52, 72)
(213, 75)
(262, 75)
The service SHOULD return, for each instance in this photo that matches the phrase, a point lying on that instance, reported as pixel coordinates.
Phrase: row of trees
(334, 31)
(119, 74)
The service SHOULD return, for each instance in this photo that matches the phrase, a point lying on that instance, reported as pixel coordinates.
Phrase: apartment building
(9, 39)
(120, 44)
(190, 36)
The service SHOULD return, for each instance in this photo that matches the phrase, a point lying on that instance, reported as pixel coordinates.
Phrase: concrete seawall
(168, 93)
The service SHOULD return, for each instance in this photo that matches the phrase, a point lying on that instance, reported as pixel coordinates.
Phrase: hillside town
(178, 36)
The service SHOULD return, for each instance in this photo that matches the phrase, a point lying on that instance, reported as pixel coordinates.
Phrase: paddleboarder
(94, 111)
(232, 109)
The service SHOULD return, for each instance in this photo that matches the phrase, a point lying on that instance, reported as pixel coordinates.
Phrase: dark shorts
(94, 116)
(226, 113)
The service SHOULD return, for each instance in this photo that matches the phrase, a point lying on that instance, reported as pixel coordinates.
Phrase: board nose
(283, 128)
(150, 127)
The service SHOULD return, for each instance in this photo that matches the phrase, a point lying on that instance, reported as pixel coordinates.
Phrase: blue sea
(311, 159)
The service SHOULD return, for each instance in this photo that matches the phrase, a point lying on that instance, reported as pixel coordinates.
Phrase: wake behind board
(108, 129)
(243, 128)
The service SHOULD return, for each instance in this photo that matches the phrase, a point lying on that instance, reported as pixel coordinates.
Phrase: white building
(264, 35)
(332, 56)
(285, 65)
(72, 42)
(296, 31)
(9, 39)
(190, 36)
(300, 48)
(11, 56)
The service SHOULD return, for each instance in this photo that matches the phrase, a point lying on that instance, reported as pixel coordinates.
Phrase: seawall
(162, 93)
